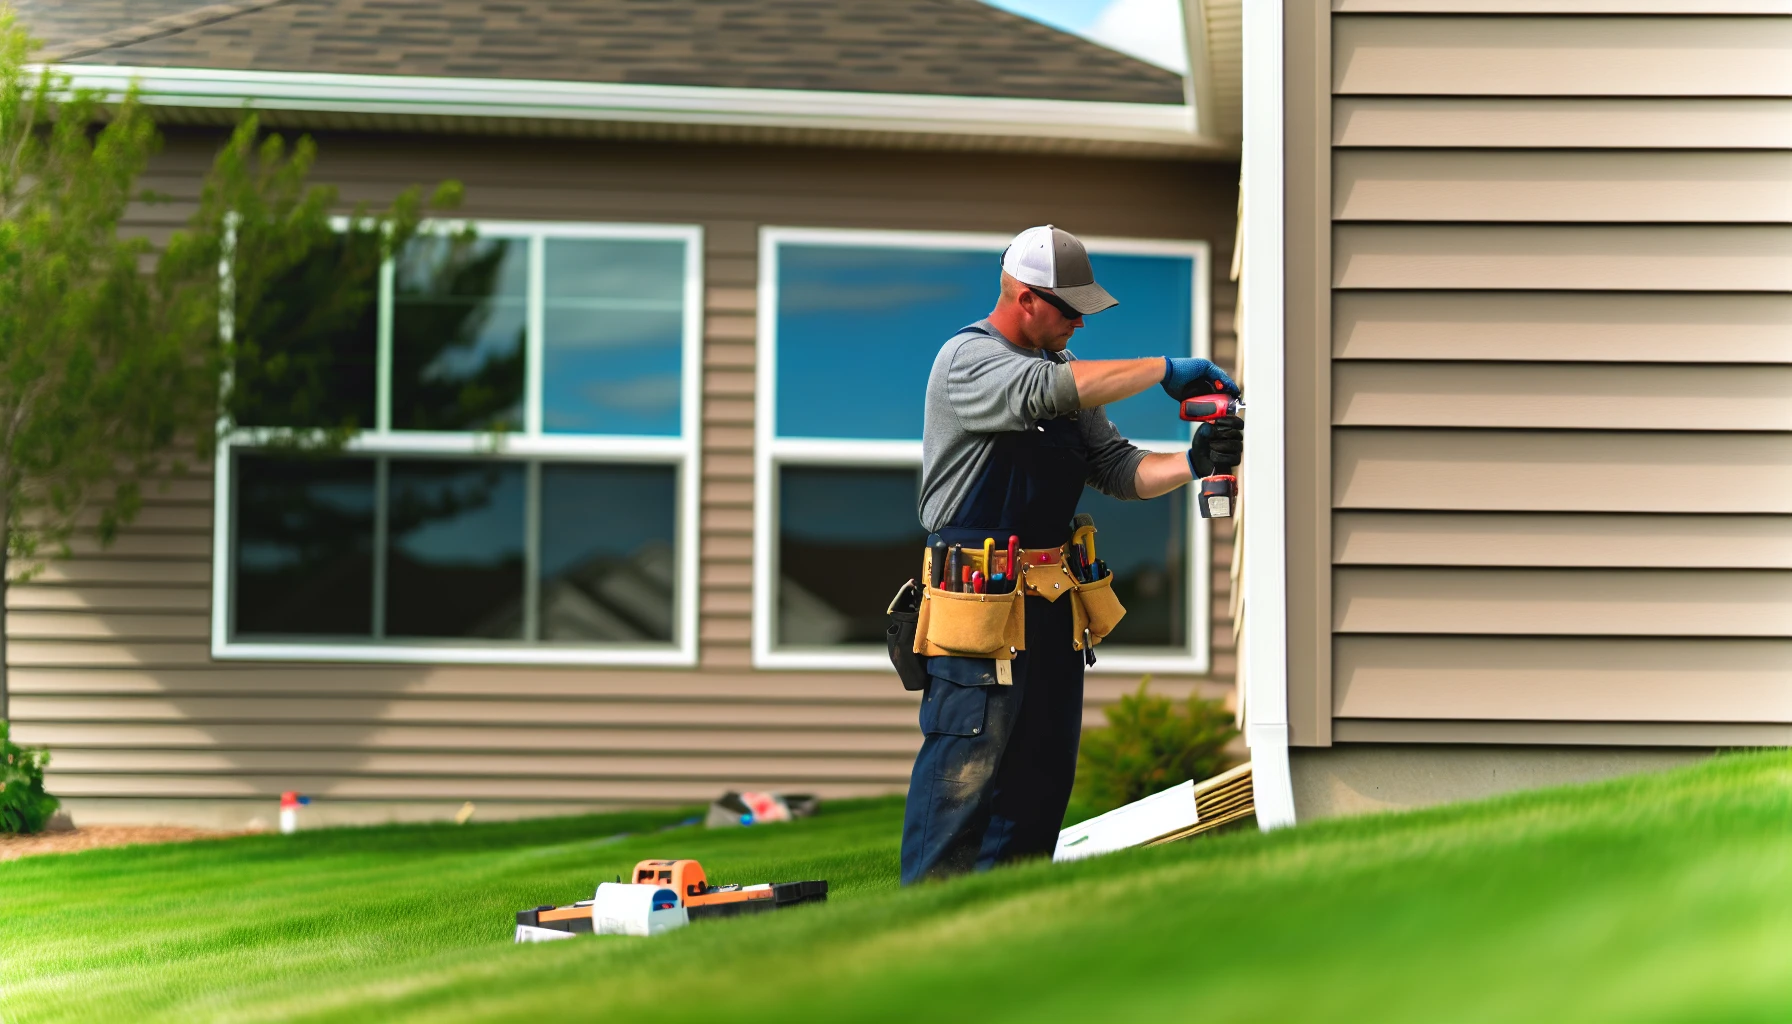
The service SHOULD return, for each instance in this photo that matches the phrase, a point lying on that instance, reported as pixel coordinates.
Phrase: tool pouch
(900, 636)
(1049, 580)
(971, 625)
(1094, 608)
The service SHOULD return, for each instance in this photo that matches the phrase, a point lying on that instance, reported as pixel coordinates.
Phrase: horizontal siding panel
(135, 543)
(718, 326)
(1622, 123)
(1572, 680)
(517, 683)
(124, 626)
(349, 710)
(193, 487)
(335, 787)
(353, 739)
(1572, 396)
(184, 517)
(729, 300)
(1546, 539)
(1605, 734)
(1572, 186)
(522, 684)
(125, 570)
(106, 654)
(1563, 326)
(523, 764)
(1590, 471)
(1562, 56)
(108, 599)
(1563, 6)
(1601, 257)
(1589, 602)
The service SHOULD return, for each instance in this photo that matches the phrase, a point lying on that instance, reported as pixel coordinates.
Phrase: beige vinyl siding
(1557, 300)
(109, 651)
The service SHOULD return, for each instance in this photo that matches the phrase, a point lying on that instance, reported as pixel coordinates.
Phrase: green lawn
(1661, 898)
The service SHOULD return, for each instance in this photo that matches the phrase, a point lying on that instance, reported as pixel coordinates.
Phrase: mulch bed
(92, 837)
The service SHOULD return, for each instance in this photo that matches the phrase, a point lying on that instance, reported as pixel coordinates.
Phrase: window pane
(858, 328)
(847, 538)
(315, 335)
(608, 571)
(1155, 317)
(455, 565)
(1145, 544)
(917, 298)
(303, 547)
(612, 336)
(457, 334)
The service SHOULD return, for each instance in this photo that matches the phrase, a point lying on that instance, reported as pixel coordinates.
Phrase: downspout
(1263, 647)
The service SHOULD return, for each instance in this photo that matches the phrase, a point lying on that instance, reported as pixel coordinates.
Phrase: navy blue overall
(995, 769)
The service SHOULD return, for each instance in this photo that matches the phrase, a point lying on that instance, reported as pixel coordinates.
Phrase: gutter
(1264, 645)
(404, 96)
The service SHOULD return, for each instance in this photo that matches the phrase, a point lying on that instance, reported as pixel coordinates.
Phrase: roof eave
(893, 120)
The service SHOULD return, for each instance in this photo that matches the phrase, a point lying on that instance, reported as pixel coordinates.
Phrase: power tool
(676, 892)
(1219, 492)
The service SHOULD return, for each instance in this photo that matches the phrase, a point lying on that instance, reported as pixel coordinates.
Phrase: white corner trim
(1156, 123)
(1264, 645)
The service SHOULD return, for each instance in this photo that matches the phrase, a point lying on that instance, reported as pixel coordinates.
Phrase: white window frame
(683, 453)
(771, 452)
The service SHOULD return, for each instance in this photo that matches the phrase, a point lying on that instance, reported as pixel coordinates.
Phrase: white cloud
(1147, 29)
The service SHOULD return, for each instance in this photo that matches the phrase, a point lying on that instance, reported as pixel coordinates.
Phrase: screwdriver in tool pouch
(954, 566)
(936, 568)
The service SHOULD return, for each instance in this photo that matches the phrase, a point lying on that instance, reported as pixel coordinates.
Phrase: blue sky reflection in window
(612, 336)
(858, 328)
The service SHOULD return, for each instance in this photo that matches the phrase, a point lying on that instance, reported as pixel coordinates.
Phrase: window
(521, 486)
(849, 322)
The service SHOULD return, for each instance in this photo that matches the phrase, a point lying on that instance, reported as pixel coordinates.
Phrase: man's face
(1047, 328)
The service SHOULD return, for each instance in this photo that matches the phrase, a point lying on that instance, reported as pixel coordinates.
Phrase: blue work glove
(1187, 378)
(1218, 447)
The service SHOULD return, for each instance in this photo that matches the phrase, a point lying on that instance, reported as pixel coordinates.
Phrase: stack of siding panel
(1226, 797)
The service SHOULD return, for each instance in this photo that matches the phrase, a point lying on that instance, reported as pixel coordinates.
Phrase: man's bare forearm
(1160, 473)
(1101, 381)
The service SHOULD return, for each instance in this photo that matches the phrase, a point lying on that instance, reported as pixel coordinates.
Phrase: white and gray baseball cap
(1050, 257)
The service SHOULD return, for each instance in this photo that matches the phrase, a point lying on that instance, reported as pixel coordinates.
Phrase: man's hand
(1188, 378)
(1217, 448)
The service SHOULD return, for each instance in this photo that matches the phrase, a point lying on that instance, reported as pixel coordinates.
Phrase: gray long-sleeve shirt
(983, 386)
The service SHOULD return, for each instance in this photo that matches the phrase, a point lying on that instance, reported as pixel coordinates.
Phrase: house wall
(109, 653)
(1540, 344)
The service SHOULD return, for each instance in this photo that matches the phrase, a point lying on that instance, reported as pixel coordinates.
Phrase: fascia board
(1157, 124)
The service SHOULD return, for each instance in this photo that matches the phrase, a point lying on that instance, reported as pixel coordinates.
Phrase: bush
(1149, 746)
(24, 806)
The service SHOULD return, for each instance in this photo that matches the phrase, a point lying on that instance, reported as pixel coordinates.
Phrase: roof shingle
(935, 47)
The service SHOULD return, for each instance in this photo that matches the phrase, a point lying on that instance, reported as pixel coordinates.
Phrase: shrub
(24, 806)
(1149, 745)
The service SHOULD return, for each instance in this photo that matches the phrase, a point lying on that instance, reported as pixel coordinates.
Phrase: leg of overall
(966, 728)
(1032, 785)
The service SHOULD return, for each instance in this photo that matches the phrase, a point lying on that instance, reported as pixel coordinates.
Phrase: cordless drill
(1219, 492)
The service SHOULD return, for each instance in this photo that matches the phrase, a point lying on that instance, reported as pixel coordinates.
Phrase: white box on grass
(1141, 821)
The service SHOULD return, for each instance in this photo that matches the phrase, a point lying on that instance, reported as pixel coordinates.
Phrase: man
(1014, 429)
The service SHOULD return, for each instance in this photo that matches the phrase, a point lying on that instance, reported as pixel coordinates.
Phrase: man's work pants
(997, 762)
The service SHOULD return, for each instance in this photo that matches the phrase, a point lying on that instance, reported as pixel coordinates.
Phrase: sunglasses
(1070, 312)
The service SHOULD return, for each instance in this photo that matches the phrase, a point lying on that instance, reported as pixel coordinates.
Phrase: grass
(1657, 898)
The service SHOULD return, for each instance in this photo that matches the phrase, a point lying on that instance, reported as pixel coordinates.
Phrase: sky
(1147, 29)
